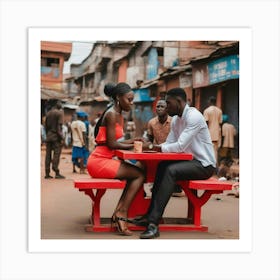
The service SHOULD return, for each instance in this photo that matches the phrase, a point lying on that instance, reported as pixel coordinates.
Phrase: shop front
(219, 78)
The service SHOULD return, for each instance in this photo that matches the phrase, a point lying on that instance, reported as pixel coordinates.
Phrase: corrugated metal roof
(47, 94)
(70, 106)
(93, 100)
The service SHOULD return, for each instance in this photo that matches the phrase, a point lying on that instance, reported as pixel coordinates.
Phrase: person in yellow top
(214, 118)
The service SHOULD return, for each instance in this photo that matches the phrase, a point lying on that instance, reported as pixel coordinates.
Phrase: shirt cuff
(170, 148)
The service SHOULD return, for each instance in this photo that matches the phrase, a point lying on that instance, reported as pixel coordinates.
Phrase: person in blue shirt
(189, 133)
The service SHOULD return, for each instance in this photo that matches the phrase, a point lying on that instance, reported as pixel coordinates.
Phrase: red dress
(101, 163)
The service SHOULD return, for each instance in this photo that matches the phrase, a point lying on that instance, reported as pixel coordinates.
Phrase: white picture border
(262, 17)
(243, 35)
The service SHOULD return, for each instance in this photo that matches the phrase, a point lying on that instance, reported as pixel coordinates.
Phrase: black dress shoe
(151, 232)
(48, 177)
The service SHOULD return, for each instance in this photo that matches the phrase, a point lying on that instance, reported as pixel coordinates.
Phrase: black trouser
(56, 147)
(168, 172)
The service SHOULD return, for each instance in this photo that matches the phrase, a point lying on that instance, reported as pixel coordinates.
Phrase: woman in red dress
(102, 162)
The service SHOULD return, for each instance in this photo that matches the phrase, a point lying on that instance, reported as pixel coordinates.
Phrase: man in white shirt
(79, 144)
(189, 134)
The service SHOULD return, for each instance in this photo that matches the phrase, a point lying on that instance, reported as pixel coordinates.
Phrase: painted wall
(122, 71)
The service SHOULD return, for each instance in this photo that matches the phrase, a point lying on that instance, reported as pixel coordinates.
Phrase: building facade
(151, 68)
(53, 56)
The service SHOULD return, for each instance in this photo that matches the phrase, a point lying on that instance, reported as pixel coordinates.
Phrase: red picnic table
(141, 203)
(150, 160)
(193, 211)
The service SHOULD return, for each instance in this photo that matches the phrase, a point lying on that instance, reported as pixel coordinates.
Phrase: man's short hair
(177, 92)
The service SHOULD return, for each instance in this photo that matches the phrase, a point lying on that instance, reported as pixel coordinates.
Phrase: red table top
(125, 154)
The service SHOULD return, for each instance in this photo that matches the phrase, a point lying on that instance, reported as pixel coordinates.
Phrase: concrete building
(151, 68)
(53, 55)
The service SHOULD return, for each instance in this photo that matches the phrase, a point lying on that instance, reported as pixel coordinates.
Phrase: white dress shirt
(190, 134)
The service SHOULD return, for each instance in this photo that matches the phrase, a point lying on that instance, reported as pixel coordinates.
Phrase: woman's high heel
(121, 224)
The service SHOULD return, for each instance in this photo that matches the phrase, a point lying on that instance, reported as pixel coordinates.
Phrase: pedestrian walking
(213, 117)
(54, 140)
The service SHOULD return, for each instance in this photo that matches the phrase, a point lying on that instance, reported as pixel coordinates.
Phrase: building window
(50, 66)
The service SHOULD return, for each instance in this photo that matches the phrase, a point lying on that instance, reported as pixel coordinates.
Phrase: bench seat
(140, 205)
(99, 183)
(210, 184)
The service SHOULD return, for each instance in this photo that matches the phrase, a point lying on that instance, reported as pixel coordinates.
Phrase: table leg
(95, 213)
(139, 205)
(198, 202)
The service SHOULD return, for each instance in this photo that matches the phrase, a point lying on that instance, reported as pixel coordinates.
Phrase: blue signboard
(152, 67)
(224, 69)
(142, 95)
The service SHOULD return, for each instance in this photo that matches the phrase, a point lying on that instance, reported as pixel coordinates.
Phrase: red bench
(100, 185)
(140, 205)
(210, 186)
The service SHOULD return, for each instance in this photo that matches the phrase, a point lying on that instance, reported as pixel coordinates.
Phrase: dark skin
(81, 160)
(161, 110)
(175, 106)
(133, 174)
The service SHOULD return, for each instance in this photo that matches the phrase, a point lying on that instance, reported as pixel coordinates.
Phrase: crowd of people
(177, 127)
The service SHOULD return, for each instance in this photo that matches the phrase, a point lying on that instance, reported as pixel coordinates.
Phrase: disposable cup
(138, 146)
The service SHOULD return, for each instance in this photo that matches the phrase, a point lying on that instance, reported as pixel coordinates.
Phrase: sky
(80, 50)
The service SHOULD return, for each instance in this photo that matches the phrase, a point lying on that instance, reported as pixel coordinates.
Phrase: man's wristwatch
(151, 146)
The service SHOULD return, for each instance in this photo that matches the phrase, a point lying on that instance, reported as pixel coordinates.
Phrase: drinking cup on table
(138, 146)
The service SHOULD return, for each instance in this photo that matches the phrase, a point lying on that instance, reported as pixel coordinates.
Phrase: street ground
(65, 211)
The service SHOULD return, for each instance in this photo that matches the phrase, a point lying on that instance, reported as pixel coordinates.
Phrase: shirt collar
(167, 120)
(185, 111)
